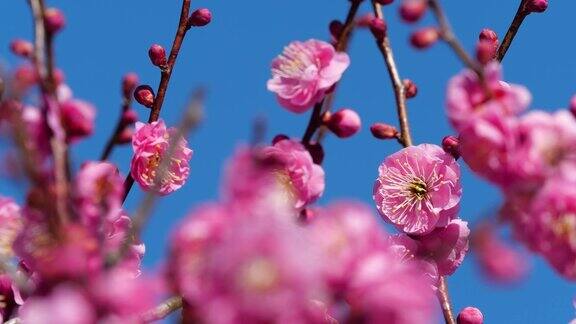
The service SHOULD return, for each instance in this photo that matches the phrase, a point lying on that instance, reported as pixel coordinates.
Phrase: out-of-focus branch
(444, 299)
(399, 90)
(161, 311)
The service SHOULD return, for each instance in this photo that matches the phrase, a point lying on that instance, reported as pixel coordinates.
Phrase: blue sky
(231, 57)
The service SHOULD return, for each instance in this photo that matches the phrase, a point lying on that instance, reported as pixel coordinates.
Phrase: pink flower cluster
(529, 157)
(251, 260)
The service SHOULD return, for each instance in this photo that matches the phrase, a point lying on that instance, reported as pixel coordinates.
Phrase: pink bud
(125, 136)
(129, 83)
(21, 48)
(77, 118)
(536, 5)
(410, 88)
(470, 315)
(450, 146)
(488, 34)
(424, 37)
(316, 151)
(384, 2)
(278, 138)
(157, 55)
(200, 17)
(344, 123)
(365, 20)
(383, 131)
(378, 28)
(412, 10)
(144, 95)
(129, 117)
(54, 20)
(485, 51)
(336, 27)
(573, 105)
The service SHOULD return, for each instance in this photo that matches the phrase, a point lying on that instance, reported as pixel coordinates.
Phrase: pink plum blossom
(304, 72)
(418, 189)
(150, 142)
(467, 99)
(67, 304)
(301, 178)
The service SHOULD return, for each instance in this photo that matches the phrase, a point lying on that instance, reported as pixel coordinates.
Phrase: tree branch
(521, 13)
(444, 299)
(161, 311)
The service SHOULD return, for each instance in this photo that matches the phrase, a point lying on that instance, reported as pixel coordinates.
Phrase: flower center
(417, 188)
(259, 275)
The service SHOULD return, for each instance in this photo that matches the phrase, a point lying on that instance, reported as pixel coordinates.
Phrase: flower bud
(412, 10)
(488, 34)
(485, 52)
(365, 20)
(536, 5)
(125, 136)
(378, 28)
(129, 83)
(344, 123)
(470, 315)
(383, 131)
(157, 55)
(54, 20)
(144, 95)
(129, 117)
(200, 17)
(278, 138)
(424, 37)
(336, 28)
(410, 88)
(450, 146)
(22, 48)
(316, 151)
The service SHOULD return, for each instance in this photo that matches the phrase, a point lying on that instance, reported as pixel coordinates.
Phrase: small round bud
(129, 117)
(22, 48)
(278, 138)
(125, 136)
(344, 123)
(365, 20)
(336, 28)
(573, 105)
(485, 52)
(54, 20)
(378, 28)
(157, 55)
(536, 5)
(488, 34)
(129, 83)
(200, 17)
(470, 315)
(450, 146)
(384, 2)
(316, 151)
(383, 131)
(425, 37)
(412, 10)
(410, 88)
(144, 95)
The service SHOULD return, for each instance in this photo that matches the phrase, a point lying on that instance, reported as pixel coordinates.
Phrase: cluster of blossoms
(530, 157)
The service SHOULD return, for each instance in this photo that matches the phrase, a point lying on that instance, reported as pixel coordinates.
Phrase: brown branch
(161, 311)
(450, 38)
(166, 73)
(444, 299)
(120, 126)
(399, 91)
(521, 13)
(326, 104)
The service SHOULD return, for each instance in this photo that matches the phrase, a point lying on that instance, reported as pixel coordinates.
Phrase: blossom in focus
(11, 224)
(418, 189)
(301, 178)
(467, 99)
(304, 72)
(150, 143)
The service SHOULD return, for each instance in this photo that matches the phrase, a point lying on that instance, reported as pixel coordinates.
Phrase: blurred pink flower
(11, 224)
(150, 142)
(77, 118)
(466, 99)
(418, 189)
(11, 298)
(301, 178)
(65, 305)
(304, 72)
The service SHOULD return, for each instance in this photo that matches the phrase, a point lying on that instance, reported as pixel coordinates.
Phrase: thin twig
(447, 34)
(326, 104)
(166, 73)
(399, 91)
(161, 311)
(444, 299)
(120, 126)
(521, 13)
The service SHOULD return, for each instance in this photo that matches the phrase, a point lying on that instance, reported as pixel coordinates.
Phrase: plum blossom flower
(150, 142)
(418, 189)
(467, 99)
(304, 72)
(302, 179)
